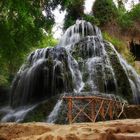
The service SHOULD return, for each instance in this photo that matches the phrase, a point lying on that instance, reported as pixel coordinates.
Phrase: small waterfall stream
(134, 78)
(16, 115)
(82, 63)
(54, 114)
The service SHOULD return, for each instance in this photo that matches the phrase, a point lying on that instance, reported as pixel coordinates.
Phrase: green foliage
(3, 80)
(135, 13)
(91, 19)
(126, 19)
(75, 10)
(68, 21)
(123, 18)
(21, 24)
(104, 10)
(47, 41)
(121, 47)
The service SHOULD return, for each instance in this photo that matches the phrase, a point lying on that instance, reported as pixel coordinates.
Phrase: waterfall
(16, 115)
(83, 30)
(53, 115)
(83, 63)
(134, 78)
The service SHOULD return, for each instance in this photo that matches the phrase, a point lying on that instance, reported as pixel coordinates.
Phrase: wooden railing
(106, 109)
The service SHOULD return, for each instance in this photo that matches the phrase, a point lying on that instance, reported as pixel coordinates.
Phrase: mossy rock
(4, 95)
(43, 109)
(124, 88)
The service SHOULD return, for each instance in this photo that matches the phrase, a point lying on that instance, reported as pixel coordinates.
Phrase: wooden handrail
(100, 106)
(89, 97)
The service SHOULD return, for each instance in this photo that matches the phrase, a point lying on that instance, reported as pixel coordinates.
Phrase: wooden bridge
(92, 108)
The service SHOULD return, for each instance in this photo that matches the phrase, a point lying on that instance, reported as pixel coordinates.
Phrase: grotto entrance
(135, 50)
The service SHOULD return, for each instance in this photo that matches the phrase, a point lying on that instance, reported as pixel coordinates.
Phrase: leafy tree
(91, 19)
(21, 24)
(105, 11)
(121, 5)
(126, 19)
(135, 13)
(74, 8)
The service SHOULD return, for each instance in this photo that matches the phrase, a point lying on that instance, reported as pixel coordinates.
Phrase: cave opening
(135, 50)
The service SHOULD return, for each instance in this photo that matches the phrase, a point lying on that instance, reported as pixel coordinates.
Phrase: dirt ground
(110, 130)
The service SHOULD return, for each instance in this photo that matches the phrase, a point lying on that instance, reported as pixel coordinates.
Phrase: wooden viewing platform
(97, 107)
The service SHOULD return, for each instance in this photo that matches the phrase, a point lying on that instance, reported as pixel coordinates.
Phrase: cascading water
(54, 114)
(82, 63)
(134, 78)
(84, 42)
(16, 115)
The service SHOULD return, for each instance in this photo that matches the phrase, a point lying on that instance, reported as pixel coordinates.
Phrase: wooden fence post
(70, 109)
(93, 110)
(111, 110)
